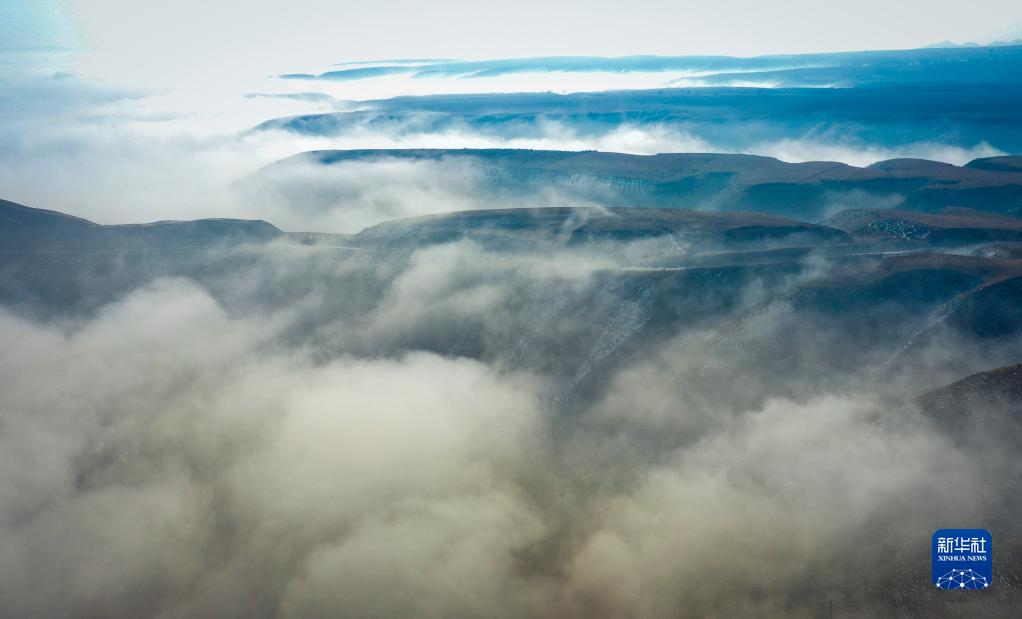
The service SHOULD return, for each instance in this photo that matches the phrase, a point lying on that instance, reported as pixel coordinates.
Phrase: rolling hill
(808, 191)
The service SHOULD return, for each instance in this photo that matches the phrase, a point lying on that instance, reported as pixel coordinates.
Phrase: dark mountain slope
(25, 229)
(574, 225)
(16, 216)
(949, 226)
(54, 264)
(997, 164)
(954, 403)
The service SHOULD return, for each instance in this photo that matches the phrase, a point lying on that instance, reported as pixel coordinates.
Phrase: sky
(217, 47)
(235, 30)
(221, 47)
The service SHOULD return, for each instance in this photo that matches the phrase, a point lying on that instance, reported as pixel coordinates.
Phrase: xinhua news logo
(962, 559)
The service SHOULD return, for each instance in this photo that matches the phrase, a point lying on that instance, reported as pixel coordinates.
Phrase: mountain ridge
(807, 191)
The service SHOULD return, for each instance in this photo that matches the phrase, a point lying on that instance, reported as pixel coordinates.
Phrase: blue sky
(36, 24)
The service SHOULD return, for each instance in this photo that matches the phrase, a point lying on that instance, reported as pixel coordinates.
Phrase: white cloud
(169, 458)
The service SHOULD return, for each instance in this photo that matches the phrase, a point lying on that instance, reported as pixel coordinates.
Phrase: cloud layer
(200, 450)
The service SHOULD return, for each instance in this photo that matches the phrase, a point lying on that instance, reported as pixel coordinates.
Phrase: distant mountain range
(808, 191)
(1011, 36)
(912, 101)
(875, 293)
(952, 44)
(948, 63)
